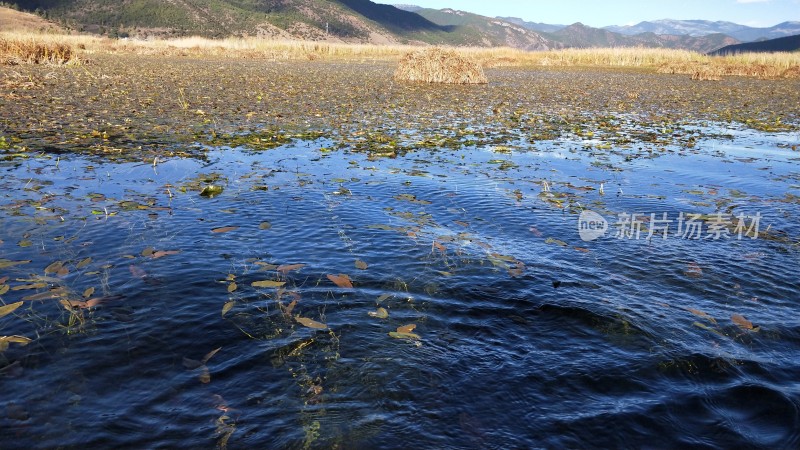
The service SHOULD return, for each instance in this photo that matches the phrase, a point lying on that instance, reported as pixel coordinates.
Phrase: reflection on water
(143, 314)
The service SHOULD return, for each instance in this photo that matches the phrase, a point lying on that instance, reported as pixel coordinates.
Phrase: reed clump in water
(437, 65)
(29, 51)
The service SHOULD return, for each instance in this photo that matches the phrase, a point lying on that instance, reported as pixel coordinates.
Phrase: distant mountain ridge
(579, 35)
(364, 21)
(699, 28)
(784, 44)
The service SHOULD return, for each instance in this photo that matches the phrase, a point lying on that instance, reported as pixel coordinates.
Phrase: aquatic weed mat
(141, 107)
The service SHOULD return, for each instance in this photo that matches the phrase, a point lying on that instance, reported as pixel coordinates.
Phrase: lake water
(478, 317)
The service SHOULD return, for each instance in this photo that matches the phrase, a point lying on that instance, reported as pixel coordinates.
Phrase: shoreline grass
(696, 65)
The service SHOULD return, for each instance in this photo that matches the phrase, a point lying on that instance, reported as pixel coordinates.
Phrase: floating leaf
(224, 229)
(148, 251)
(341, 280)
(5, 340)
(205, 375)
(54, 267)
(3, 280)
(25, 243)
(8, 309)
(227, 307)
(439, 246)
(27, 287)
(381, 313)
(554, 241)
(286, 268)
(406, 328)
(742, 322)
(268, 284)
(88, 292)
(361, 265)
(211, 191)
(55, 293)
(518, 270)
(699, 313)
(83, 263)
(232, 287)
(137, 272)
(210, 355)
(191, 364)
(291, 307)
(264, 226)
(693, 270)
(5, 263)
(383, 298)
(410, 336)
(310, 323)
(163, 253)
(62, 272)
(4, 288)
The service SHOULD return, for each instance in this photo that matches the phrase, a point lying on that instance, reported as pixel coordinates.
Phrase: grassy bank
(779, 65)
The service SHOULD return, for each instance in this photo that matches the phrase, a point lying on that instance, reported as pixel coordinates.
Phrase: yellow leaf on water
(405, 329)
(361, 265)
(310, 323)
(411, 336)
(205, 375)
(699, 313)
(232, 287)
(148, 251)
(224, 229)
(341, 280)
(5, 340)
(54, 267)
(88, 292)
(264, 226)
(554, 241)
(8, 309)
(64, 271)
(210, 355)
(742, 322)
(4, 288)
(381, 313)
(25, 287)
(268, 284)
(227, 307)
(83, 263)
(5, 263)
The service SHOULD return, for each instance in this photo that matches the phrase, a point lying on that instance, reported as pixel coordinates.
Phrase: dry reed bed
(777, 65)
(438, 65)
(30, 51)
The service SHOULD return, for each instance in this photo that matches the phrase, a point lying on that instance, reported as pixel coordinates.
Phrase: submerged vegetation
(437, 65)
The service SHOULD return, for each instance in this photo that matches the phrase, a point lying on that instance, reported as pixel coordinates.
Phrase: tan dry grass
(775, 65)
(13, 52)
(438, 65)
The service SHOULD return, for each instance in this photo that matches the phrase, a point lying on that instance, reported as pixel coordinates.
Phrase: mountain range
(367, 22)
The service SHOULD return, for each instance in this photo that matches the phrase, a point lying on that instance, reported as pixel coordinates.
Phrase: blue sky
(760, 13)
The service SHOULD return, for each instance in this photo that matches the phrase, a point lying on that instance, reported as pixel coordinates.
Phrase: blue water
(526, 335)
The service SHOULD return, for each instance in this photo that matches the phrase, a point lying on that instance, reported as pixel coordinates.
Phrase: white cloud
(752, 1)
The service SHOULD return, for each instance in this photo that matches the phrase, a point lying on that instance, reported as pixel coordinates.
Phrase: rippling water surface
(146, 330)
